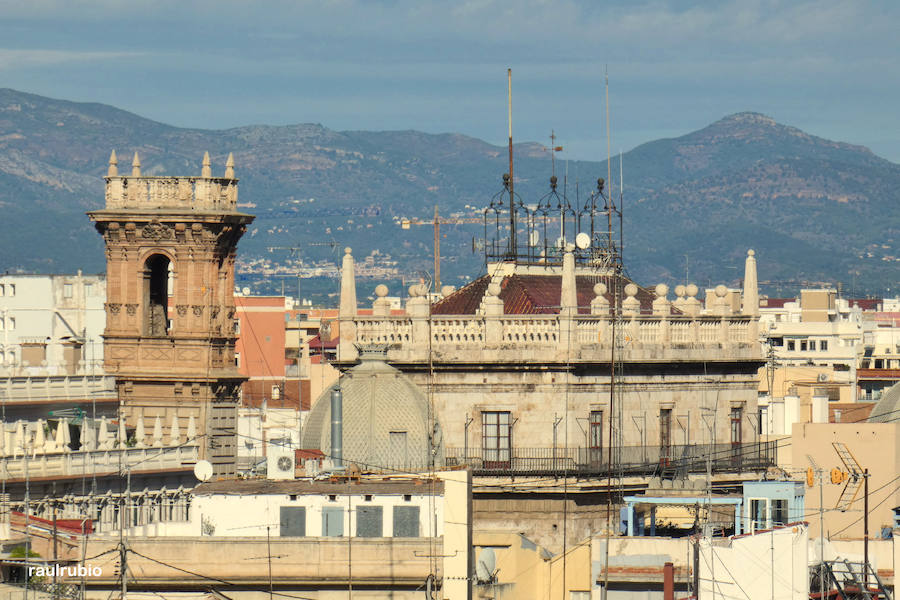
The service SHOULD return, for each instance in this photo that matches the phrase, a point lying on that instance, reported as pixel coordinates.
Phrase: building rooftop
(528, 294)
(243, 487)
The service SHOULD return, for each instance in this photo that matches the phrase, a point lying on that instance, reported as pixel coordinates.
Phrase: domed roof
(386, 422)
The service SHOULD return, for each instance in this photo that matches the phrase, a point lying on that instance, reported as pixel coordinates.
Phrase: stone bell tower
(169, 338)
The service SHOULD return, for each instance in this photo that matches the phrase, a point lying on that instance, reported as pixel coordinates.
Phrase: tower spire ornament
(171, 247)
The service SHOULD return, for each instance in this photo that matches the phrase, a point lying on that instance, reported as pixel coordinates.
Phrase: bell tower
(170, 334)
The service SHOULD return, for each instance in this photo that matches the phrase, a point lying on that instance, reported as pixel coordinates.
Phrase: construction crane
(436, 222)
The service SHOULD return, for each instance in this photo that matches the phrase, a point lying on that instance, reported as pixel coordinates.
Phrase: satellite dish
(245, 291)
(583, 241)
(534, 238)
(485, 565)
(203, 470)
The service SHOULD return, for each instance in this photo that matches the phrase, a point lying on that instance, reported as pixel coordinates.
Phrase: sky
(828, 67)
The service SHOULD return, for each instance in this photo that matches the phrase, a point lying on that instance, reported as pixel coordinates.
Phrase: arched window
(157, 272)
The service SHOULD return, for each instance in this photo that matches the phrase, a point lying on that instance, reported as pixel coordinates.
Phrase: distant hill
(813, 209)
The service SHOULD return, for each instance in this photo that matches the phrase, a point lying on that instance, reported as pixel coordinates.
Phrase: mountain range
(815, 211)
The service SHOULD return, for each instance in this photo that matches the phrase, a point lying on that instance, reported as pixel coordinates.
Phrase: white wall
(772, 565)
(248, 516)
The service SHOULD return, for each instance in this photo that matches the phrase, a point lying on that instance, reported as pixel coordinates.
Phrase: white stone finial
(103, 436)
(680, 291)
(123, 434)
(139, 433)
(751, 286)
(494, 289)
(60, 441)
(206, 169)
(157, 432)
(40, 437)
(381, 290)
(348, 286)
(721, 291)
(192, 428)
(661, 290)
(568, 294)
(113, 170)
(631, 289)
(136, 165)
(229, 166)
(174, 431)
(446, 290)
(600, 289)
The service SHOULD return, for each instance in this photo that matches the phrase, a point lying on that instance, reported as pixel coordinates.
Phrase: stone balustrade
(543, 330)
(75, 463)
(192, 193)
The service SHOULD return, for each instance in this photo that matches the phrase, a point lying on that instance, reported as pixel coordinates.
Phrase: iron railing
(628, 460)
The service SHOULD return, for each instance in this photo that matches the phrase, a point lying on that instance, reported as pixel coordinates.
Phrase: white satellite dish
(485, 565)
(534, 238)
(203, 470)
(245, 291)
(583, 241)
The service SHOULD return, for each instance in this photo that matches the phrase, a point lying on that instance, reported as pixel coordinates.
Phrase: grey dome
(385, 420)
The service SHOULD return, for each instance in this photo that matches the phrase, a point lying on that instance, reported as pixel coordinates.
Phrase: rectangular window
(495, 436)
(665, 434)
(758, 516)
(406, 521)
(89, 289)
(2, 289)
(823, 345)
(791, 345)
(67, 290)
(803, 346)
(780, 512)
(596, 431)
(332, 521)
(293, 521)
(812, 345)
(737, 414)
(11, 289)
(237, 359)
(11, 323)
(237, 326)
(763, 420)
(369, 521)
(595, 436)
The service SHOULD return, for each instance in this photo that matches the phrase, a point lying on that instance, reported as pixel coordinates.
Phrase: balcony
(627, 460)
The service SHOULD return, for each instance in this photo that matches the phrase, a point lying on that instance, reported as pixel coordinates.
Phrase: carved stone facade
(170, 247)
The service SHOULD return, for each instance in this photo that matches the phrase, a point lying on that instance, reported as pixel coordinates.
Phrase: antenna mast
(512, 209)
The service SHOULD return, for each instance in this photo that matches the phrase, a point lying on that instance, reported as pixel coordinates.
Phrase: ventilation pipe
(337, 427)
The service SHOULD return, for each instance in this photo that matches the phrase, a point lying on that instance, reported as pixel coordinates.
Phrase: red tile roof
(532, 294)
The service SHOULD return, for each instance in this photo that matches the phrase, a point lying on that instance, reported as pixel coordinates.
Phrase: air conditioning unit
(280, 463)
(822, 378)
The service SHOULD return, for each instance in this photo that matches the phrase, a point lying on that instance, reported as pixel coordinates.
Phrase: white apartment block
(51, 324)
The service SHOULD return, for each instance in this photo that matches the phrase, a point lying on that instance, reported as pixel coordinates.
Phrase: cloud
(28, 58)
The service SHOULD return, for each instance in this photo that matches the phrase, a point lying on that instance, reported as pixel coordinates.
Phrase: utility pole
(866, 530)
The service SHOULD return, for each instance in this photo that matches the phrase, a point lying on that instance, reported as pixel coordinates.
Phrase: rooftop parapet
(203, 193)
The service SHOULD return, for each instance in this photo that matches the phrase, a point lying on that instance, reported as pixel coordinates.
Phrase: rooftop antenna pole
(621, 200)
(512, 208)
(608, 151)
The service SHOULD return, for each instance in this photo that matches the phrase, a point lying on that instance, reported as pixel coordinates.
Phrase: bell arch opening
(157, 287)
